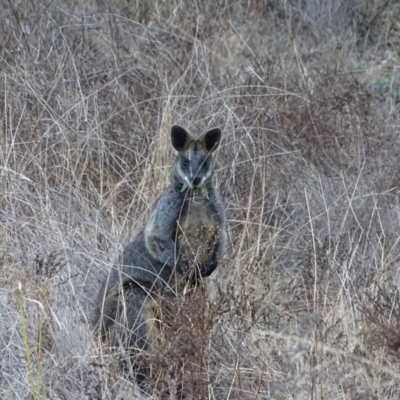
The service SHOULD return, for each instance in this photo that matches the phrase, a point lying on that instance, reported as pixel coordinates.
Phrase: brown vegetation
(306, 302)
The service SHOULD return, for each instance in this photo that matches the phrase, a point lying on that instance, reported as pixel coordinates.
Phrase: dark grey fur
(153, 264)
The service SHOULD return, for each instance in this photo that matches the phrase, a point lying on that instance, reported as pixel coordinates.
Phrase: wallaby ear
(179, 137)
(211, 139)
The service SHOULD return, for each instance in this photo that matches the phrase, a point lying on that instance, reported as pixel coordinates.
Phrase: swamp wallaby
(181, 243)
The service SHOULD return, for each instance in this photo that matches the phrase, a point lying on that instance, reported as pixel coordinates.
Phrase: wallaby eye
(185, 163)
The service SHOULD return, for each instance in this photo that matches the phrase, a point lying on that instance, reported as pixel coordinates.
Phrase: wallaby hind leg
(125, 322)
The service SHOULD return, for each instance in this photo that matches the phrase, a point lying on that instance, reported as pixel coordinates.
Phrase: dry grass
(306, 302)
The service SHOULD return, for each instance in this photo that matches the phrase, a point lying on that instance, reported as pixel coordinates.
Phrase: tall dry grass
(305, 303)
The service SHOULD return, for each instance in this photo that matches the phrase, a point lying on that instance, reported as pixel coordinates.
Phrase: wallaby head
(194, 165)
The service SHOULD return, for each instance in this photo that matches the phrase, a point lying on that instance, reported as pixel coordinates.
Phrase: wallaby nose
(196, 181)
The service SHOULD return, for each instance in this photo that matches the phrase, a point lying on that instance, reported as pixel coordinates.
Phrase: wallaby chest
(197, 231)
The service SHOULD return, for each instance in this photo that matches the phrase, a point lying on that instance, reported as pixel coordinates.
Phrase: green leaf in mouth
(200, 193)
